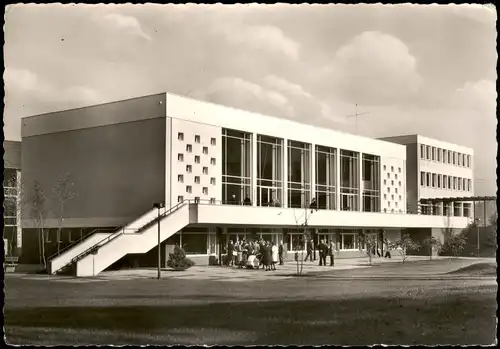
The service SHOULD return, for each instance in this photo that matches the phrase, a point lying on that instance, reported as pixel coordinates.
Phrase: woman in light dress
(274, 253)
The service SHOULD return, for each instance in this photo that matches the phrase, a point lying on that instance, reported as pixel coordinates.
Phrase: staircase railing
(120, 232)
(76, 242)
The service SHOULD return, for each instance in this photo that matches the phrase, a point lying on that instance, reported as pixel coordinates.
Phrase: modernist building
(437, 169)
(12, 232)
(222, 173)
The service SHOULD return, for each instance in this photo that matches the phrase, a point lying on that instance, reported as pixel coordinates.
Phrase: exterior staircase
(99, 251)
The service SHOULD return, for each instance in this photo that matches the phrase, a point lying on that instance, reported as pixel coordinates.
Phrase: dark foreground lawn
(272, 312)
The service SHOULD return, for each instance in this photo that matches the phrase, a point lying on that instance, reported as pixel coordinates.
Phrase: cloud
(127, 24)
(375, 68)
(266, 38)
(238, 93)
(286, 86)
(476, 95)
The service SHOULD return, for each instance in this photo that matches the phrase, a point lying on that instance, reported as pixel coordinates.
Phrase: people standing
(230, 253)
(323, 251)
(267, 256)
(331, 251)
(281, 250)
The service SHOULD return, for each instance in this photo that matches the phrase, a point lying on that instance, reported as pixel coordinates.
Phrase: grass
(190, 312)
(478, 269)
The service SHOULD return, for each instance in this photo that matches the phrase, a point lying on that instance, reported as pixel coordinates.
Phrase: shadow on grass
(364, 321)
(483, 269)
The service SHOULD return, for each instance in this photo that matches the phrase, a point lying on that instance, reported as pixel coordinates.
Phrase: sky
(410, 69)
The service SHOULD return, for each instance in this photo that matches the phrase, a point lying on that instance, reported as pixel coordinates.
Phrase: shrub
(454, 245)
(178, 259)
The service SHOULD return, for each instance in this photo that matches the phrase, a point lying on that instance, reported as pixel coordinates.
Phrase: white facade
(193, 118)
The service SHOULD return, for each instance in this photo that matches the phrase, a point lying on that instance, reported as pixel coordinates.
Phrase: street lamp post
(477, 220)
(159, 205)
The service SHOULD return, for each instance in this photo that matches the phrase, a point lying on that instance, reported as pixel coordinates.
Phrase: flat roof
(458, 199)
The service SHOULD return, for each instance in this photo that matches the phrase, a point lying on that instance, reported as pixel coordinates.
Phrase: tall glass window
(11, 206)
(299, 174)
(326, 169)
(236, 166)
(349, 180)
(269, 171)
(371, 183)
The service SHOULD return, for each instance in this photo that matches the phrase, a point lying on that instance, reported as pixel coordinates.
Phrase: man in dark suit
(323, 251)
(281, 250)
(230, 256)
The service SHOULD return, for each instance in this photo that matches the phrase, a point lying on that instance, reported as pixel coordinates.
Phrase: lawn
(296, 311)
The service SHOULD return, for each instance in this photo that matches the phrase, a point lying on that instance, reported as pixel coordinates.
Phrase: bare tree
(403, 245)
(64, 193)
(370, 243)
(38, 203)
(305, 235)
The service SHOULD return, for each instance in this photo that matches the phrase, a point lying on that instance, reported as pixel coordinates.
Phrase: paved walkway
(355, 268)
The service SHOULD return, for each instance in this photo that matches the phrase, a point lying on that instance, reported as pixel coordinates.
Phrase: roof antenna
(356, 117)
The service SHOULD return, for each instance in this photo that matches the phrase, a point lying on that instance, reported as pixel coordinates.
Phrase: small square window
(385, 181)
(389, 175)
(197, 199)
(385, 210)
(213, 141)
(392, 211)
(399, 183)
(399, 197)
(388, 189)
(180, 157)
(197, 139)
(180, 198)
(212, 161)
(189, 168)
(399, 169)
(389, 203)
(212, 201)
(385, 196)
(180, 178)
(189, 189)
(396, 190)
(197, 159)
(180, 136)
(392, 182)
(396, 203)
(396, 176)
(385, 167)
(212, 181)
(197, 179)
(204, 190)
(392, 168)
(205, 170)
(205, 150)
(392, 197)
(189, 148)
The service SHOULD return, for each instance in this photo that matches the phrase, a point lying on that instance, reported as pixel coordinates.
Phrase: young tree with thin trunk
(370, 243)
(38, 203)
(403, 245)
(64, 193)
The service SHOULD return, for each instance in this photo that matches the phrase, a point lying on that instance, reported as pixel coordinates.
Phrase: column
(337, 179)
(313, 171)
(360, 181)
(254, 169)
(285, 172)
